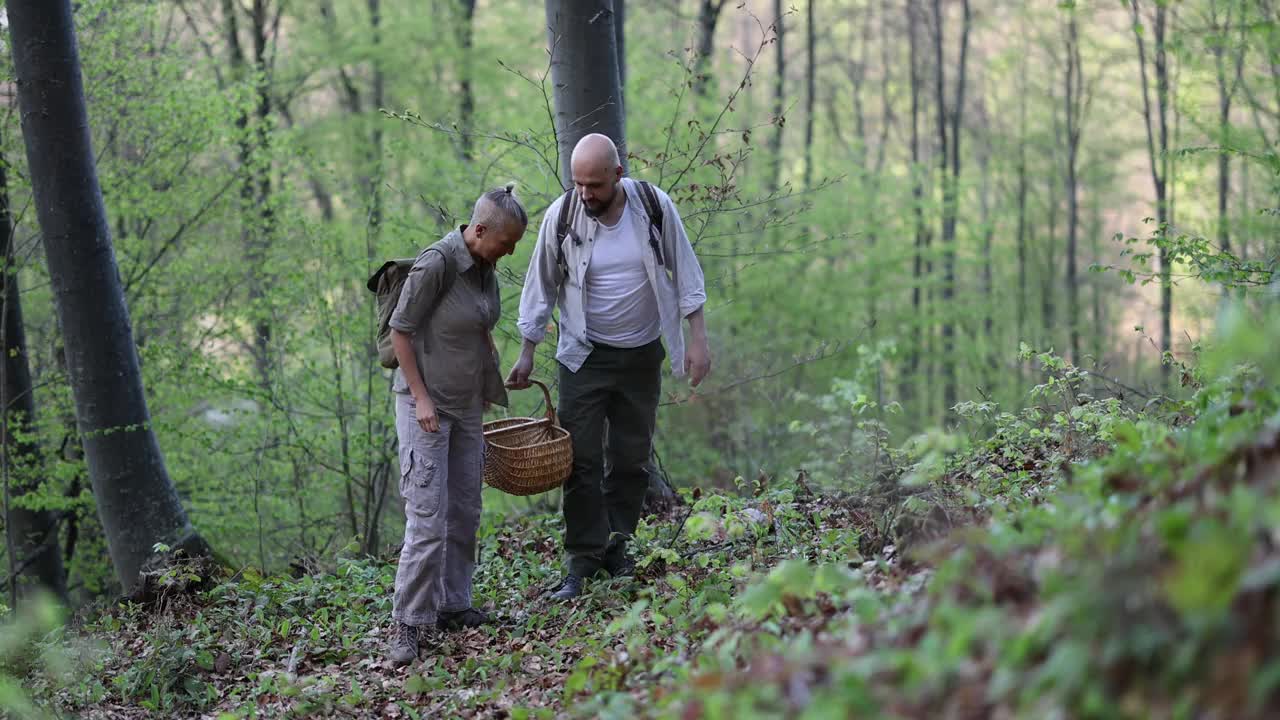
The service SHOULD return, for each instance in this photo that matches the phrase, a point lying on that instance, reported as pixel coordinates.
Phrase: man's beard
(604, 205)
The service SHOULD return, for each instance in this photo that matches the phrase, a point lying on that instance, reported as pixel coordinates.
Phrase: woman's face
(497, 241)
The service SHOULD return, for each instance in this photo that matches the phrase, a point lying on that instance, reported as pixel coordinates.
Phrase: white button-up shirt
(677, 283)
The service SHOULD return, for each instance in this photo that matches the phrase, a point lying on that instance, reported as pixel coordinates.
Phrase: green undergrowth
(1083, 558)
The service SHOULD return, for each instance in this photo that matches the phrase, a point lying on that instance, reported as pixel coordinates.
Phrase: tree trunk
(1226, 94)
(1072, 104)
(917, 206)
(1022, 206)
(137, 503)
(949, 163)
(34, 558)
(1157, 154)
(467, 103)
(779, 94)
(584, 73)
(810, 76)
(708, 16)
(255, 189)
(620, 40)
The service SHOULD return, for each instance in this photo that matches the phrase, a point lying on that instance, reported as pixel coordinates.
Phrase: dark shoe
(462, 619)
(404, 645)
(619, 564)
(569, 588)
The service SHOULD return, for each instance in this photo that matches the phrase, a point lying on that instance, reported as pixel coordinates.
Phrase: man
(623, 288)
(440, 331)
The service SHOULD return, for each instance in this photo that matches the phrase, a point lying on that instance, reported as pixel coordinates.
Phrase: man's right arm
(538, 298)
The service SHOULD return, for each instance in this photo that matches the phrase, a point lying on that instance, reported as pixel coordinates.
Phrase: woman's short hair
(500, 206)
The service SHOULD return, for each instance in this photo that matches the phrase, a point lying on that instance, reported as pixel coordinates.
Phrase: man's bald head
(596, 171)
(595, 151)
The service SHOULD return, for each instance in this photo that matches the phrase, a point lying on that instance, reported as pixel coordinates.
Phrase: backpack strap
(450, 267)
(653, 208)
(568, 210)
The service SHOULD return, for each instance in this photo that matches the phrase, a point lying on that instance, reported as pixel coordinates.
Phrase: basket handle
(546, 395)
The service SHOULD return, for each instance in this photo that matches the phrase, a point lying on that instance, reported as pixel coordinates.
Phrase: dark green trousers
(601, 508)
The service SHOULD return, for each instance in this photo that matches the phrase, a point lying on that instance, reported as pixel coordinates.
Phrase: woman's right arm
(402, 343)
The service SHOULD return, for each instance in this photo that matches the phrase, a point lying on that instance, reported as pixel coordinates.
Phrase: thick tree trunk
(137, 503)
(34, 558)
(584, 73)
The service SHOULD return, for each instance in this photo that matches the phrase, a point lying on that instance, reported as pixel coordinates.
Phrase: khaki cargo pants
(440, 477)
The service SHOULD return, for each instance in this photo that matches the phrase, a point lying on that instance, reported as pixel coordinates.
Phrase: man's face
(596, 186)
(498, 241)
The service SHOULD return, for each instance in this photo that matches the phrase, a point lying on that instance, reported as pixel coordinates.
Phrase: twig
(291, 669)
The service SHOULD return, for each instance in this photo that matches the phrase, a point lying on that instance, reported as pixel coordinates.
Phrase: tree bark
(584, 73)
(136, 501)
(34, 557)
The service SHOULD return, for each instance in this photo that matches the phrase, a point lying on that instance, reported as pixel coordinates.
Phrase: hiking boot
(462, 619)
(569, 588)
(404, 645)
(619, 564)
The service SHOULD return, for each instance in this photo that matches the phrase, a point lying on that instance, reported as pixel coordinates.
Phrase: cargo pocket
(419, 484)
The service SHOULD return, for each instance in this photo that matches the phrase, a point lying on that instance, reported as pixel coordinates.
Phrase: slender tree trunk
(620, 39)
(1071, 106)
(375, 482)
(949, 163)
(1158, 154)
(34, 558)
(810, 92)
(1226, 95)
(1099, 326)
(779, 95)
(708, 16)
(137, 503)
(584, 73)
(255, 190)
(467, 101)
(918, 276)
(1021, 232)
(988, 274)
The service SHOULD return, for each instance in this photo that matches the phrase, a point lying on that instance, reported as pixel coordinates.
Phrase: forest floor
(1084, 561)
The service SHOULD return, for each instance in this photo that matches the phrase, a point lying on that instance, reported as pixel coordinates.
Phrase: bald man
(612, 254)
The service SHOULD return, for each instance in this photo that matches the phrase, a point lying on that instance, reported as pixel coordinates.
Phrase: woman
(448, 373)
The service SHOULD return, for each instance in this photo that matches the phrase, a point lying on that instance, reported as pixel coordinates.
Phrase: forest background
(893, 202)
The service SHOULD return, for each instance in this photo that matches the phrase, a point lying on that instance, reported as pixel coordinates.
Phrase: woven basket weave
(527, 456)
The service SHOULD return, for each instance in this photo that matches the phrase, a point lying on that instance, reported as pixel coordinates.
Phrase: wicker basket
(527, 456)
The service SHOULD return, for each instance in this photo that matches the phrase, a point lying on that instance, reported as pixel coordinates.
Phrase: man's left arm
(686, 273)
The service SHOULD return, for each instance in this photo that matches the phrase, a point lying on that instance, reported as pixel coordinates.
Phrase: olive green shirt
(450, 325)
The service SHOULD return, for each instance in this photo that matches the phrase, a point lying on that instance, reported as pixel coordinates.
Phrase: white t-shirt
(622, 309)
